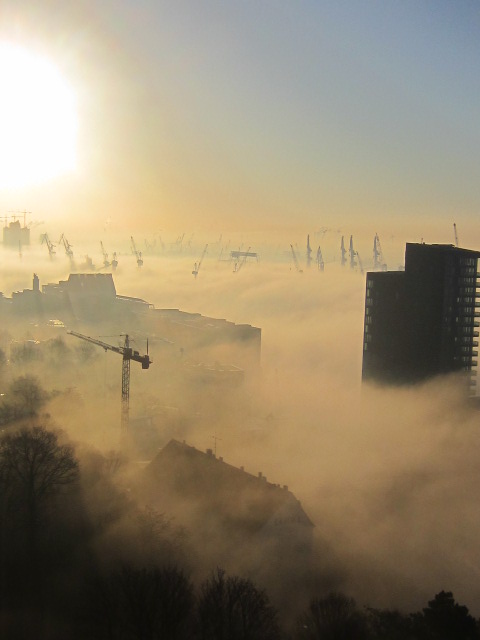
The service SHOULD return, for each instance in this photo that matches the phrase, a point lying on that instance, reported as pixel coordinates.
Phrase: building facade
(423, 321)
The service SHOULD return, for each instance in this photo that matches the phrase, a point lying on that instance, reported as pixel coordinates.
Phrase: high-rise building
(423, 321)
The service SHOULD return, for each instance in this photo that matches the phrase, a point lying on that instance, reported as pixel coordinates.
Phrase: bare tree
(233, 608)
(33, 465)
(140, 604)
(334, 617)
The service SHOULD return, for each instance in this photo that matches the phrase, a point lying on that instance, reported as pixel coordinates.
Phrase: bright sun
(38, 119)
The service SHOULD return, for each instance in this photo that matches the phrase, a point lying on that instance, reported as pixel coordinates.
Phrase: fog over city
(388, 476)
(224, 194)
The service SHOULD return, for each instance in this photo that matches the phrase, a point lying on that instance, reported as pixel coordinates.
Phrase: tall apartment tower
(423, 321)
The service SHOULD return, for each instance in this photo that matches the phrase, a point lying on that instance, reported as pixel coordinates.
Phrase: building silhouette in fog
(423, 321)
(233, 516)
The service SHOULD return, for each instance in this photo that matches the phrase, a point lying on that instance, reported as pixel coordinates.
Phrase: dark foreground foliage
(79, 559)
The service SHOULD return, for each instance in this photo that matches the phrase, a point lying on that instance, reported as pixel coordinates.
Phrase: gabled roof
(236, 497)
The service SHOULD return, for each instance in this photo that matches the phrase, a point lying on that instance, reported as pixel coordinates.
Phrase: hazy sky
(222, 115)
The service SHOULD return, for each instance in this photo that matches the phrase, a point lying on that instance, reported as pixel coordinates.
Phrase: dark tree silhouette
(27, 394)
(385, 624)
(33, 465)
(141, 604)
(25, 353)
(232, 608)
(334, 617)
(447, 620)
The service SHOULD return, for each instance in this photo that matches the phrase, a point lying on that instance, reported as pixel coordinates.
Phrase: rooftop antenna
(215, 438)
(455, 232)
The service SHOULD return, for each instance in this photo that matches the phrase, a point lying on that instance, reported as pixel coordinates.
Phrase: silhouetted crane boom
(128, 354)
(295, 259)
(196, 267)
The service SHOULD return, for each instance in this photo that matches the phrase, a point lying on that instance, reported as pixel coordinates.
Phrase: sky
(262, 116)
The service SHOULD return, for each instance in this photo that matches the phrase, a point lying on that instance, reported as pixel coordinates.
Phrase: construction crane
(67, 246)
(320, 263)
(455, 232)
(295, 260)
(197, 266)
(50, 246)
(239, 263)
(343, 260)
(357, 255)
(137, 254)
(378, 260)
(353, 254)
(127, 354)
(309, 251)
(106, 262)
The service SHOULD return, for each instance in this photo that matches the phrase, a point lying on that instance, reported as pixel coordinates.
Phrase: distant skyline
(263, 115)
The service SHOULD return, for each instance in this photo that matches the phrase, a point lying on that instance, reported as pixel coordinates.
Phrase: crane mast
(106, 262)
(138, 254)
(49, 243)
(378, 260)
(238, 265)
(127, 354)
(67, 246)
(196, 267)
(309, 251)
(353, 254)
(455, 232)
(125, 416)
(295, 260)
(320, 263)
(343, 251)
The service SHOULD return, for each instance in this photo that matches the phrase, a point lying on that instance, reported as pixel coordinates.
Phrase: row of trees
(79, 559)
(54, 351)
(151, 603)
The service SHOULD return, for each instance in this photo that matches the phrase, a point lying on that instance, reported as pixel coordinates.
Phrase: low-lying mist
(390, 477)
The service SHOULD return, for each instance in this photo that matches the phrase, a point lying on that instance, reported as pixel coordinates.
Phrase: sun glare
(38, 120)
